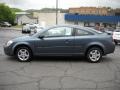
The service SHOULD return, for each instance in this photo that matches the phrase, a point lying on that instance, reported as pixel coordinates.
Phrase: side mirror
(41, 37)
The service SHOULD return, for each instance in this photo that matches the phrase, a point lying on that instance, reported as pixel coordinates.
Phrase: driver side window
(58, 32)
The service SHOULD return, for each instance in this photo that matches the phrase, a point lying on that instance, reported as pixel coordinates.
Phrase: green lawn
(17, 26)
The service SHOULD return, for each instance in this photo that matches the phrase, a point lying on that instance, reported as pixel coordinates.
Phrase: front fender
(22, 43)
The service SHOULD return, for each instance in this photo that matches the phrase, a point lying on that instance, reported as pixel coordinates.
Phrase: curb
(17, 29)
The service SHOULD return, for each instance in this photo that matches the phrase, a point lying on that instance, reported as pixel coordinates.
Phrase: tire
(94, 55)
(22, 31)
(23, 54)
(115, 42)
(29, 31)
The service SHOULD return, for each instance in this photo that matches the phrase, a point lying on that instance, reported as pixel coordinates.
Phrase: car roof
(75, 26)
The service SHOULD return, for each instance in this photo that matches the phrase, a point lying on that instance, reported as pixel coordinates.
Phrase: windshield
(6, 22)
(39, 27)
(38, 33)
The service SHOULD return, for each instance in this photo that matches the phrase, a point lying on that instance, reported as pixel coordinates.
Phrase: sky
(65, 4)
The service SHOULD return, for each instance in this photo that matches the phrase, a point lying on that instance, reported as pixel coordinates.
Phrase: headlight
(9, 43)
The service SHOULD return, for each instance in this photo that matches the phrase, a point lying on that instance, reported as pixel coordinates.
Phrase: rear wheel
(94, 54)
(23, 54)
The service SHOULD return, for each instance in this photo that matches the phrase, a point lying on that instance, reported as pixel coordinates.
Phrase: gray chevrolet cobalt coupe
(66, 40)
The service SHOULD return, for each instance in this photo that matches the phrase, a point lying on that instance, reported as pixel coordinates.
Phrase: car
(5, 24)
(38, 29)
(62, 40)
(109, 32)
(33, 26)
(116, 36)
(26, 29)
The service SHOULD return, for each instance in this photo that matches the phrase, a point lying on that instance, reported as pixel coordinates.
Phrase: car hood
(23, 38)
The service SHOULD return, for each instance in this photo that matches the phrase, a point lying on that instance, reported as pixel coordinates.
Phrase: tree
(6, 14)
(16, 10)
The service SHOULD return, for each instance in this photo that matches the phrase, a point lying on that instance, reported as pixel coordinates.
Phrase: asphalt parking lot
(57, 73)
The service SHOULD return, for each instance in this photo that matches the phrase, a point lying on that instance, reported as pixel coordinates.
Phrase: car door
(82, 38)
(58, 40)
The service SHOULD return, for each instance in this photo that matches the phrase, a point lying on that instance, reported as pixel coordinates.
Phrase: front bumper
(26, 30)
(8, 51)
(116, 40)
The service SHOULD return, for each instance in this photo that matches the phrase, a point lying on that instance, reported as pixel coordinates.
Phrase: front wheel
(23, 54)
(94, 54)
(22, 31)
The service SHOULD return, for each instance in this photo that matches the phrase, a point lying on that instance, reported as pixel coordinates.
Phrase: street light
(56, 12)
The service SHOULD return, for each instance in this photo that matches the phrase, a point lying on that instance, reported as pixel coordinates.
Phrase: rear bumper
(110, 48)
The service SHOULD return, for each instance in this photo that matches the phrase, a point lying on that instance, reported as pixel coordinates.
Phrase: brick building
(89, 10)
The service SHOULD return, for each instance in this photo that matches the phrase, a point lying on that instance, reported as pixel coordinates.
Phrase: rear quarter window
(93, 30)
(80, 32)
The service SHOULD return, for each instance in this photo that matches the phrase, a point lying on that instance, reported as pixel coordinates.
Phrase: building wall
(89, 11)
(49, 19)
(74, 23)
(69, 22)
(81, 23)
(25, 19)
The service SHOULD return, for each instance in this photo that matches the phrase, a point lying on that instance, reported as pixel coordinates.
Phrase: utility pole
(56, 12)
